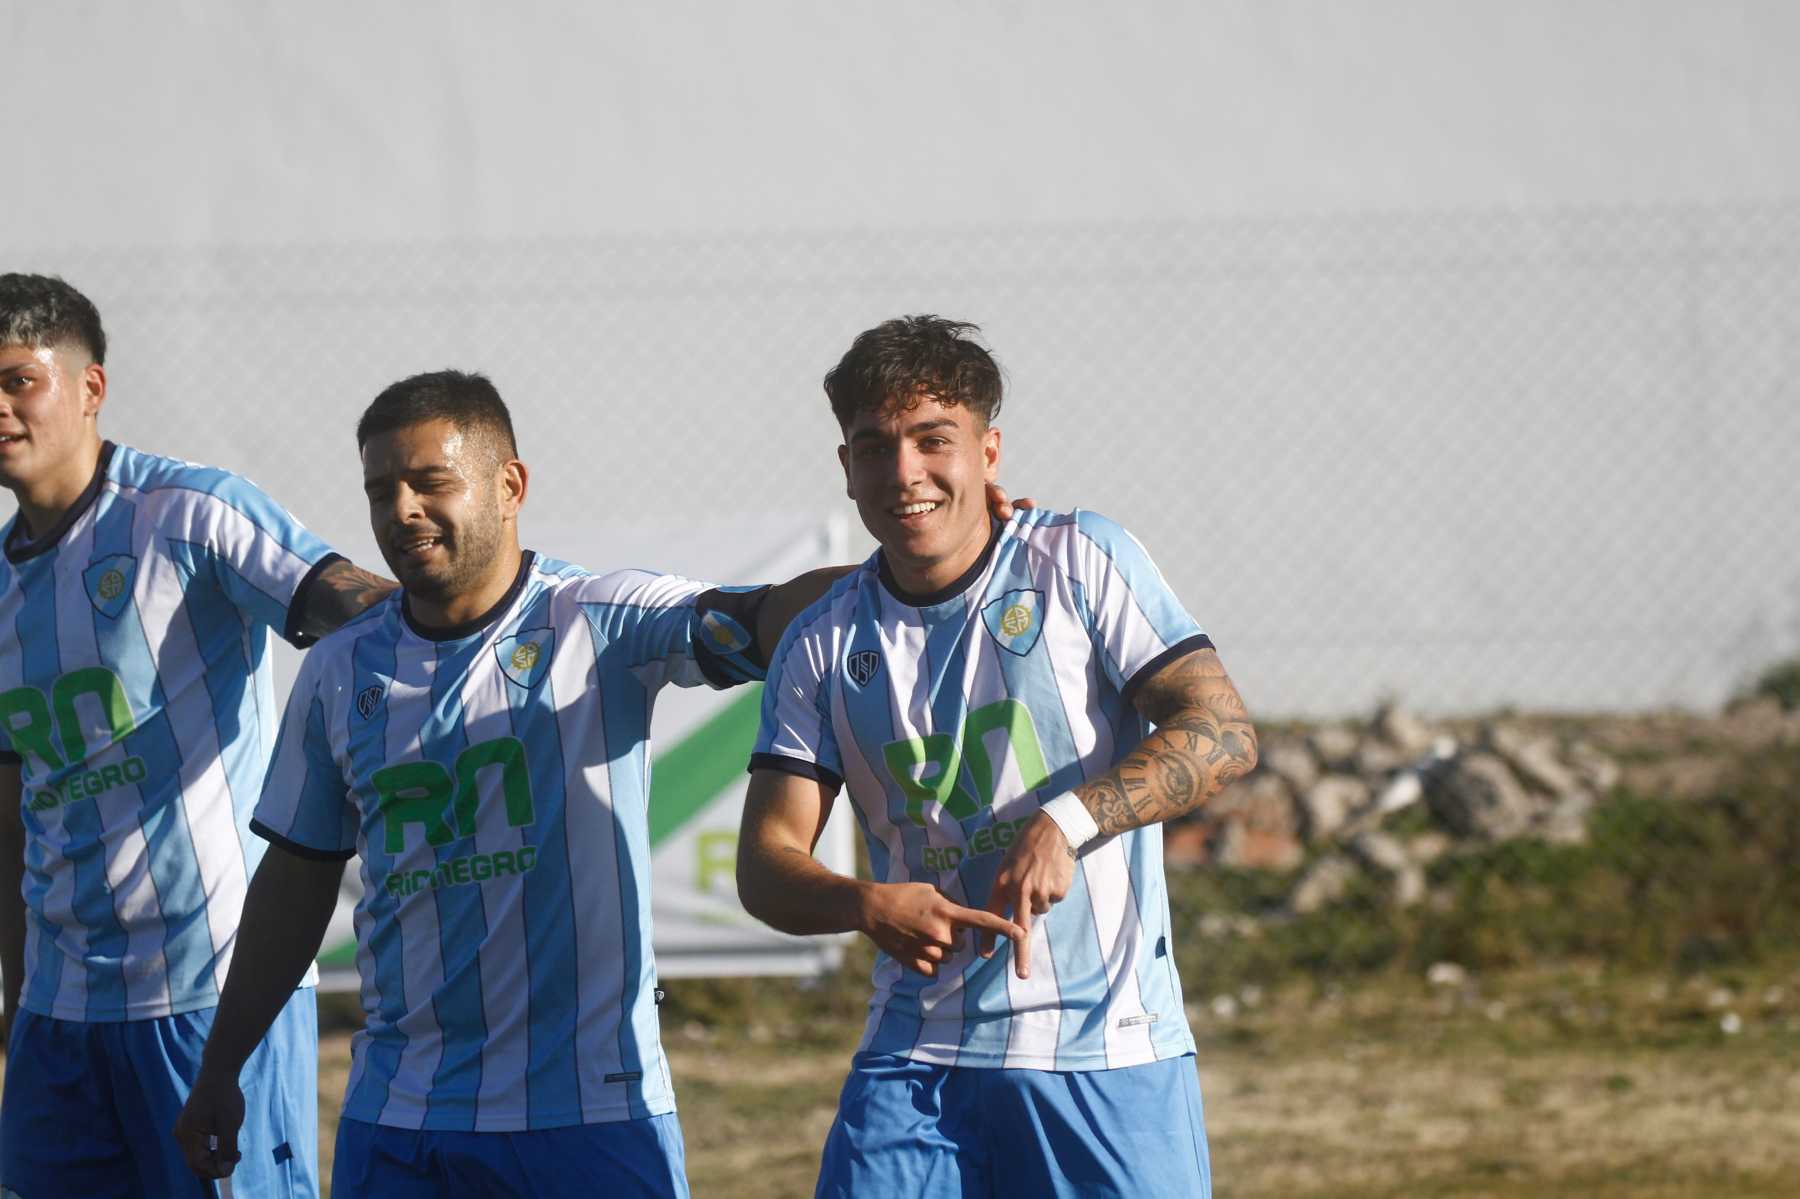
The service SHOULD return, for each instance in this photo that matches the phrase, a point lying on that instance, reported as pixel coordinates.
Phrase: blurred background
(1445, 356)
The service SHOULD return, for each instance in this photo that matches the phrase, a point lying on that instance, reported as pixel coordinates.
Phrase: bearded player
(1014, 709)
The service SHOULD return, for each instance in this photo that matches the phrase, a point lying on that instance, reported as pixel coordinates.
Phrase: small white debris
(1224, 1007)
(1731, 1024)
(1251, 995)
(1719, 998)
(1446, 974)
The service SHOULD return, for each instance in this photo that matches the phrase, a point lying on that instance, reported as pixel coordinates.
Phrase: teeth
(914, 509)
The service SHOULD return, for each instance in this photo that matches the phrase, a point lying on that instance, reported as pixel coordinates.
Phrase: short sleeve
(263, 558)
(796, 735)
(305, 806)
(1136, 622)
(669, 629)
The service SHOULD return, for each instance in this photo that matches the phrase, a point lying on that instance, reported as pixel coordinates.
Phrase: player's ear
(844, 461)
(990, 453)
(515, 480)
(93, 388)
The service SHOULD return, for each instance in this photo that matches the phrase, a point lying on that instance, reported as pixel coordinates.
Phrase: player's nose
(405, 508)
(908, 465)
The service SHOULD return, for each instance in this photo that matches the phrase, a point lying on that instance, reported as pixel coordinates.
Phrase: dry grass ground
(1535, 1084)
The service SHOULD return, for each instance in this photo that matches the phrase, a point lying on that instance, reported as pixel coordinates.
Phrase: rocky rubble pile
(1329, 799)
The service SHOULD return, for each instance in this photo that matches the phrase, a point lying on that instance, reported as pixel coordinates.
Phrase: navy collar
(19, 547)
(949, 591)
(457, 632)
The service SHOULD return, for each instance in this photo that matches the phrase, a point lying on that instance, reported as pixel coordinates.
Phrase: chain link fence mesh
(1542, 459)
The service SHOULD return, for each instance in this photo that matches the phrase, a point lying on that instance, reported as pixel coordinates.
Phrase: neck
(449, 611)
(920, 577)
(44, 502)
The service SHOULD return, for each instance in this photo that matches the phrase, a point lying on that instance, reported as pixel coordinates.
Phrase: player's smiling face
(919, 477)
(49, 399)
(441, 505)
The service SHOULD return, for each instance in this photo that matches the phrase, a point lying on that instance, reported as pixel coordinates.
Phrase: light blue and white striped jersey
(137, 695)
(494, 779)
(950, 719)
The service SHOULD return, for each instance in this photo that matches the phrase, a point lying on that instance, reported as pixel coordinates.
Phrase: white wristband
(1071, 816)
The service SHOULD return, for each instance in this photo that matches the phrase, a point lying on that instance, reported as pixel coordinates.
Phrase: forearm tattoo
(1203, 741)
(340, 592)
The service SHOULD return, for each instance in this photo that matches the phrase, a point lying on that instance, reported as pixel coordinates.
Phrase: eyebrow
(414, 471)
(924, 426)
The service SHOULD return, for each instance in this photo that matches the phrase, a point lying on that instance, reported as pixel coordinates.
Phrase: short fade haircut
(465, 399)
(41, 311)
(902, 361)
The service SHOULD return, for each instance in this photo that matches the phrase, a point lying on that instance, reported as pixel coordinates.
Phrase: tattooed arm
(337, 593)
(1202, 741)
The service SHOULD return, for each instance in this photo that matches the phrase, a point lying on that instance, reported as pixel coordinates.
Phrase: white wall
(244, 123)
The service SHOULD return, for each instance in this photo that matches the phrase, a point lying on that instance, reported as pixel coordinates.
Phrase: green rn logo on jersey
(929, 769)
(50, 730)
(444, 806)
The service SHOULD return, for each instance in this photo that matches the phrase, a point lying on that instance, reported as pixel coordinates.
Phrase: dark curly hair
(902, 361)
(42, 310)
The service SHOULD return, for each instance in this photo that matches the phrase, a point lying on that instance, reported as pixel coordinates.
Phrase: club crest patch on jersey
(1015, 619)
(368, 700)
(723, 634)
(862, 666)
(525, 655)
(109, 583)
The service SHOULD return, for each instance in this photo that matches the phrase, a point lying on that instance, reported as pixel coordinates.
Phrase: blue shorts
(623, 1159)
(914, 1129)
(89, 1108)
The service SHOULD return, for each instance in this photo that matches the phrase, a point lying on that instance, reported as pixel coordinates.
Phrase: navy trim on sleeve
(298, 850)
(296, 614)
(796, 766)
(1180, 649)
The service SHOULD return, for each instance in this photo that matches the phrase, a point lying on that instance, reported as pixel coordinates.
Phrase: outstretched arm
(783, 885)
(285, 913)
(1202, 741)
(340, 591)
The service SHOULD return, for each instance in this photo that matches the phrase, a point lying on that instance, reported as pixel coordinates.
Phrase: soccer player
(481, 741)
(137, 710)
(987, 692)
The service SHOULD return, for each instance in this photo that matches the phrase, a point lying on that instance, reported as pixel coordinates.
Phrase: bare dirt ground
(1531, 1085)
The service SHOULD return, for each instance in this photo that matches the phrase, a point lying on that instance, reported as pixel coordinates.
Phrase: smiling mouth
(417, 546)
(916, 509)
(10, 438)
